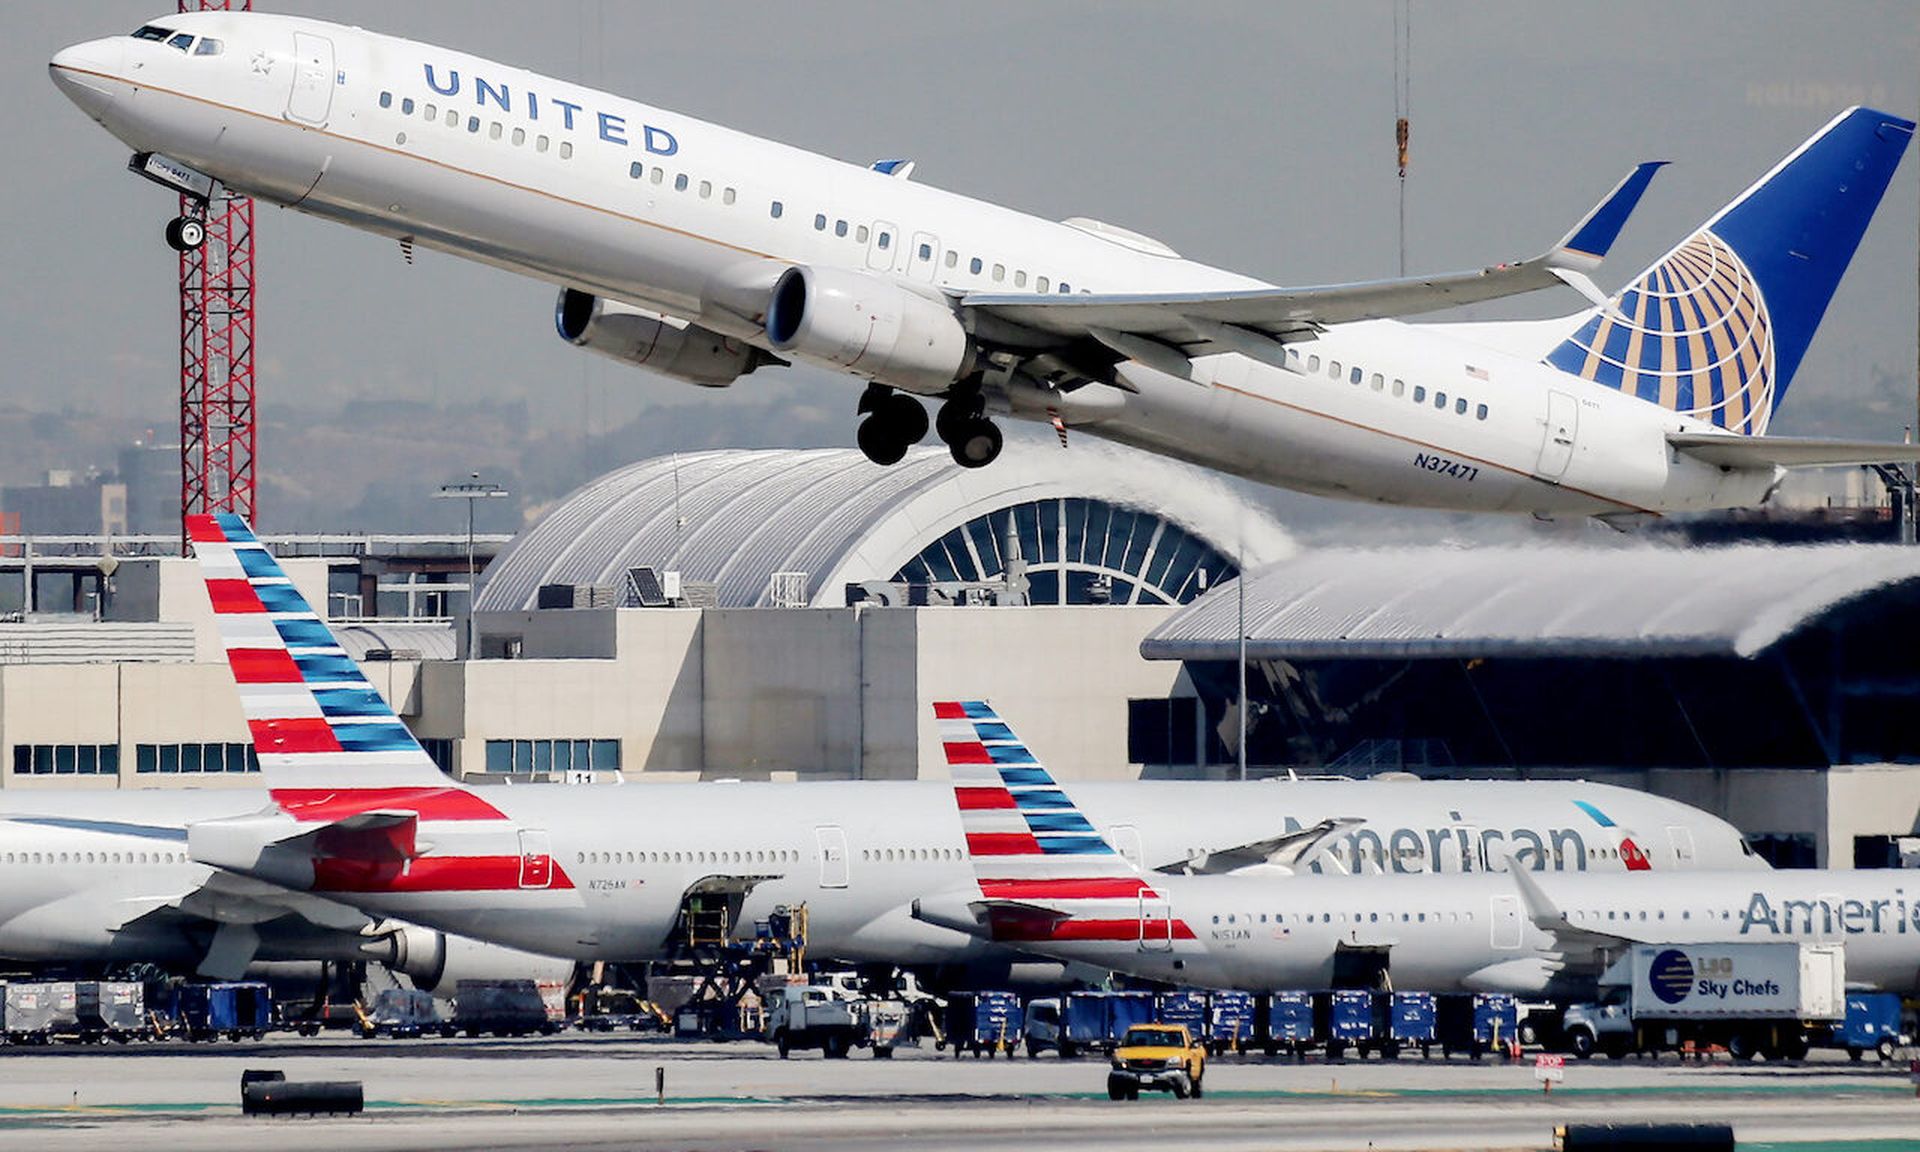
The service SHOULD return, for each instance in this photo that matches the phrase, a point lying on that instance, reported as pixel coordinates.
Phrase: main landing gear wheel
(185, 233)
(894, 424)
(976, 443)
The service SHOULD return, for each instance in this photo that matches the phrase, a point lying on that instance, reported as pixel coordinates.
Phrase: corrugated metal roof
(735, 517)
(1551, 601)
(431, 641)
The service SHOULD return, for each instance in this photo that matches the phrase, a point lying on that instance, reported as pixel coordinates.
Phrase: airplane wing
(1726, 450)
(1164, 329)
(1286, 851)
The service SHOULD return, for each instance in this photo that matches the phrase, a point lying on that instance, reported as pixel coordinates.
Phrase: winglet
(1587, 244)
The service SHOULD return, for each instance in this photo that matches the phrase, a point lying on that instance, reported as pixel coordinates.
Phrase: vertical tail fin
(316, 721)
(1045, 872)
(1717, 327)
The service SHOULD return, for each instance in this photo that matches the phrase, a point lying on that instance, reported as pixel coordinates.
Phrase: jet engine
(437, 962)
(664, 344)
(873, 327)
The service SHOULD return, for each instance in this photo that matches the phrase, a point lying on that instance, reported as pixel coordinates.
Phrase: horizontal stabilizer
(1728, 451)
(1287, 851)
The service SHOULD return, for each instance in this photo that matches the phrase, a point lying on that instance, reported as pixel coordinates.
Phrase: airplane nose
(87, 73)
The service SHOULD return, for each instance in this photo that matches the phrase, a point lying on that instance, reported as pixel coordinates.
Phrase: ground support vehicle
(1875, 1022)
(499, 1008)
(39, 1012)
(984, 1023)
(1753, 999)
(604, 1009)
(801, 1016)
(889, 1025)
(400, 1013)
(1157, 1057)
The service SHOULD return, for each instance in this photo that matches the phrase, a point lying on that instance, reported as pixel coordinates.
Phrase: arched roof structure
(736, 517)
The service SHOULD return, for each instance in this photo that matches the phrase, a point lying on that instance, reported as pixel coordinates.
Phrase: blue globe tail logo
(1671, 975)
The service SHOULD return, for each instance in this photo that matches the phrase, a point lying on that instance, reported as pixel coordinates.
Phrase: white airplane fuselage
(638, 204)
(610, 866)
(1475, 933)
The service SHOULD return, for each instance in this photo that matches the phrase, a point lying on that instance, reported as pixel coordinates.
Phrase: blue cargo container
(1099, 1019)
(1230, 1020)
(1477, 1023)
(1344, 1019)
(1188, 1008)
(984, 1022)
(1411, 1019)
(236, 1010)
(1289, 1022)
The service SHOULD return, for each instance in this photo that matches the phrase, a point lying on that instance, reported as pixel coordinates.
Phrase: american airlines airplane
(359, 814)
(704, 254)
(1066, 893)
(105, 878)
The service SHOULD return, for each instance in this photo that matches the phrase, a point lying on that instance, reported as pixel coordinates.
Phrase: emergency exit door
(536, 859)
(832, 840)
(312, 97)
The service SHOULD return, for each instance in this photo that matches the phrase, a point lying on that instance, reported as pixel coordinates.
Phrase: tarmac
(599, 1092)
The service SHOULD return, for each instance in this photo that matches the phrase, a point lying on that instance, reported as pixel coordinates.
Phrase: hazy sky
(1255, 135)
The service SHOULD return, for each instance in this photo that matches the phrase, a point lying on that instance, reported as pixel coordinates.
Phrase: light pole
(470, 490)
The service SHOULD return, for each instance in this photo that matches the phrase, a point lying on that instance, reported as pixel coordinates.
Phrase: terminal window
(524, 756)
(66, 759)
(194, 759)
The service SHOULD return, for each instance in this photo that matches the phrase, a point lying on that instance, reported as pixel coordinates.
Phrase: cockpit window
(183, 41)
(208, 46)
(152, 32)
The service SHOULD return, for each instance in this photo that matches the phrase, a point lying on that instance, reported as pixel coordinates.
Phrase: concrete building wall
(782, 692)
(1061, 676)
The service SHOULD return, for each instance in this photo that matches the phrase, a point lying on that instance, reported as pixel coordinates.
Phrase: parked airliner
(103, 878)
(704, 253)
(360, 814)
(1047, 881)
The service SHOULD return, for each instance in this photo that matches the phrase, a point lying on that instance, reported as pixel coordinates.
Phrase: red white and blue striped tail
(1045, 872)
(316, 721)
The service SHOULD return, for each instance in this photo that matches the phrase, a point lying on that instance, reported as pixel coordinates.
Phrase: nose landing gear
(186, 233)
(895, 422)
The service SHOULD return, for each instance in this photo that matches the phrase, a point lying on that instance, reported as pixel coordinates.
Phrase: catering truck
(1752, 999)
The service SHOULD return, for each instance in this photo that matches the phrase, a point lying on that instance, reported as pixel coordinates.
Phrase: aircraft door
(1125, 839)
(536, 859)
(885, 245)
(1156, 923)
(312, 96)
(832, 840)
(925, 257)
(1681, 838)
(1504, 911)
(1562, 431)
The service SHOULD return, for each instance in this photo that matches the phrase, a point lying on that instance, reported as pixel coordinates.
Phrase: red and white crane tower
(217, 417)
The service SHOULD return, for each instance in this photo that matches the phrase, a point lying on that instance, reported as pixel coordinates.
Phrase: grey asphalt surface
(598, 1092)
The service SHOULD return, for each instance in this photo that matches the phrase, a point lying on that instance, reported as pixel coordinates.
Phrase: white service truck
(1751, 999)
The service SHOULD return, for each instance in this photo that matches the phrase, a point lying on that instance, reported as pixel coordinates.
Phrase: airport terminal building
(794, 615)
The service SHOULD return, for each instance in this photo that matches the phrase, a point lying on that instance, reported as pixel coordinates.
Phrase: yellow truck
(1156, 1056)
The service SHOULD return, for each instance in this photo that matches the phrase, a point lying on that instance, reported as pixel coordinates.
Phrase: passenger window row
(1357, 375)
(899, 855)
(754, 856)
(96, 858)
(681, 182)
(430, 112)
(1342, 918)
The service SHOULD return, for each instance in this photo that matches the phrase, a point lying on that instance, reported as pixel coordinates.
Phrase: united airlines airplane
(1047, 881)
(704, 254)
(359, 814)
